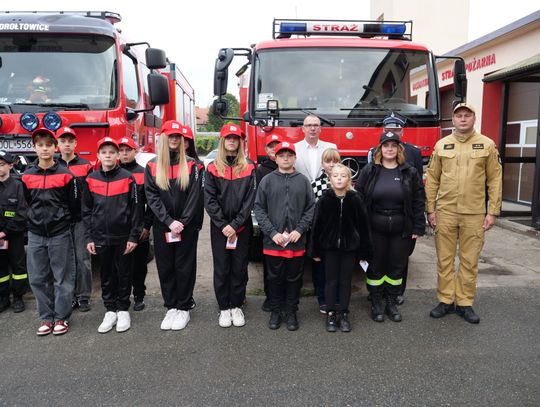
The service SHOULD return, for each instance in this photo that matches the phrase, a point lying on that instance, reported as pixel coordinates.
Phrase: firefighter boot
(377, 308)
(392, 309)
(331, 321)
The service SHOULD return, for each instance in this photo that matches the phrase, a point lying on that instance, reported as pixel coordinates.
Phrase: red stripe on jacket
(112, 188)
(229, 171)
(33, 181)
(80, 170)
(139, 177)
(173, 169)
(289, 254)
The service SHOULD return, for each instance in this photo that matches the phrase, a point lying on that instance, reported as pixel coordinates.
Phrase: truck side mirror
(460, 79)
(220, 107)
(221, 71)
(155, 58)
(158, 89)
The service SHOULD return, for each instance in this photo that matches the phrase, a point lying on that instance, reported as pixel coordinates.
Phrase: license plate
(17, 145)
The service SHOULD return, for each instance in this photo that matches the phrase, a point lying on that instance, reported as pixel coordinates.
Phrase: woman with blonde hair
(173, 185)
(229, 195)
(394, 196)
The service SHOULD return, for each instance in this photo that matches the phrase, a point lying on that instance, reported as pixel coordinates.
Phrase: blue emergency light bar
(355, 28)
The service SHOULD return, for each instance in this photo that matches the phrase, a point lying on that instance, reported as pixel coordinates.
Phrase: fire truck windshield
(344, 83)
(58, 70)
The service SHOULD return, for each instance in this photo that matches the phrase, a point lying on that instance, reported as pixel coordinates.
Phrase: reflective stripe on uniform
(4, 279)
(382, 280)
(19, 276)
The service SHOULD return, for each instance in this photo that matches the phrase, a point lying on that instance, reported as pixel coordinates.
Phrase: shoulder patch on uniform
(478, 146)
(448, 146)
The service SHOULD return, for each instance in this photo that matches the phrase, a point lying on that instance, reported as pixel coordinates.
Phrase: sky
(192, 32)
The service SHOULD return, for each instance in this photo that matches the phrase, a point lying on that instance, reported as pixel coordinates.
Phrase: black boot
(468, 314)
(377, 308)
(331, 321)
(275, 320)
(292, 321)
(441, 310)
(392, 309)
(344, 324)
(139, 304)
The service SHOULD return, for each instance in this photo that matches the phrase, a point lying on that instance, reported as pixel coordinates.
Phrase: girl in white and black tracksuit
(173, 186)
(341, 235)
(229, 194)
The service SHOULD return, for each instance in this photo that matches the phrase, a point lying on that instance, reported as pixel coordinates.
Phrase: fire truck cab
(351, 74)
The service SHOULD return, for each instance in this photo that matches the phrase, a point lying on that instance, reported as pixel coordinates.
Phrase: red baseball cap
(65, 130)
(127, 142)
(284, 146)
(43, 131)
(271, 138)
(171, 127)
(231, 129)
(107, 140)
(187, 132)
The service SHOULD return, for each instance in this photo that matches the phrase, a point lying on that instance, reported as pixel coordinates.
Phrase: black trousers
(339, 268)
(390, 257)
(140, 268)
(116, 274)
(406, 269)
(13, 259)
(176, 265)
(230, 268)
(284, 282)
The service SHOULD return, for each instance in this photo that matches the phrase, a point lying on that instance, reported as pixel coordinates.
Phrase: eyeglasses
(312, 125)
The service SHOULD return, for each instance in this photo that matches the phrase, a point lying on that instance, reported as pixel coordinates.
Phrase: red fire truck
(351, 74)
(76, 69)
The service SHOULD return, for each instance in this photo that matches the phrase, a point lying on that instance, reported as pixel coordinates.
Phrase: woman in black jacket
(394, 197)
(341, 235)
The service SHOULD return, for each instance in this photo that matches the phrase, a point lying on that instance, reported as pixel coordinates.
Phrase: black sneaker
(468, 314)
(4, 304)
(275, 320)
(18, 304)
(192, 304)
(344, 324)
(292, 321)
(74, 304)
(331, 321)
(139, 304)
(266, 306)
(84, 306)
(441, 310)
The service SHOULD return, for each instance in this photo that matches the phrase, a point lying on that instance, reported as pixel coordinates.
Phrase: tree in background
(215, 123)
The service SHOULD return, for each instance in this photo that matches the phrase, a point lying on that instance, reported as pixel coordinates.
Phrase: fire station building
(503, 72)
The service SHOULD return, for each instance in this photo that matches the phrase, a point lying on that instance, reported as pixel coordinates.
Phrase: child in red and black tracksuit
(128, 152)
(284, 209)
(113, 222)
(67, 141)
(173, 185)
(53, 204)
(12, 227)
(229, 193)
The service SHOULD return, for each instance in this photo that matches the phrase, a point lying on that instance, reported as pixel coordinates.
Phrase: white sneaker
(168, 320)
(225, 318)
(180, 320)
(109, 321)
(124, 321)
(238, 318)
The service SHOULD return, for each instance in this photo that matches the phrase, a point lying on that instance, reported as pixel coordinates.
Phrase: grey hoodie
(284, 202)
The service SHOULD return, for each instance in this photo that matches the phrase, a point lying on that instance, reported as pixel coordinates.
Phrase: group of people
(303, 199)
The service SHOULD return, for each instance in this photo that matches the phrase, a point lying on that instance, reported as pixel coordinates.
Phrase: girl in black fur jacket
(340, 234)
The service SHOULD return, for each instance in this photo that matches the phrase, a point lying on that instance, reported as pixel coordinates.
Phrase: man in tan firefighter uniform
(463, 164)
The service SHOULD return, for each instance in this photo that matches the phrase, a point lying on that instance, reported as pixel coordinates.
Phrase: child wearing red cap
(284, 209)
(53, 204)
(229, 193)
(173, 185)
(67, 142)
(128, 152)
(113, 223)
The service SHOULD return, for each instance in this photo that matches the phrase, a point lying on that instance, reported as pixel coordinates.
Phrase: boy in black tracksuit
(113, 222)
(128, 151)
(284, 209)
(12, 227)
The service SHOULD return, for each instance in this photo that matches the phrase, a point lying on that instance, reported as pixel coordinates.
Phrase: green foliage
(215, 123)
(205, 144)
